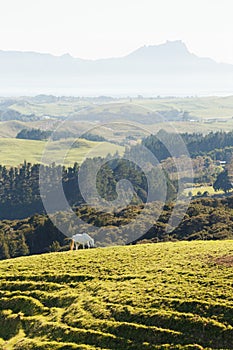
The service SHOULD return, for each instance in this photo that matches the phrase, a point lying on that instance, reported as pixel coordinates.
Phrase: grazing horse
(83, 239)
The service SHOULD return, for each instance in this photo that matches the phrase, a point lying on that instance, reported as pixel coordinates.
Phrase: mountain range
(166, 69)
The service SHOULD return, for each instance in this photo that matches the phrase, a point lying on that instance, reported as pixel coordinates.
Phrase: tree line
(40, 135)
(215, 144)
(20, 189)
(33, 134)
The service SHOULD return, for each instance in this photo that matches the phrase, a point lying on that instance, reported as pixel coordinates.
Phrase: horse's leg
(76, 245)
(72, 245)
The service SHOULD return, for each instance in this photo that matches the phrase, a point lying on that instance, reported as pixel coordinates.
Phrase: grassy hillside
(213, 113)
(56, 108)
(204, 107)
(157, 296)
(15, 151)
(201, 190)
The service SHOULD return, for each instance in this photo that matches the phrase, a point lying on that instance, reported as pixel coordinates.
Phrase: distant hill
(168, 68)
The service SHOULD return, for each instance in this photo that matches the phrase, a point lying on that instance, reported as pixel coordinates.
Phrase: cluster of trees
(196, 143)
(223, 181)
(206, 219)
(29, 236)
(205, 170)
(222, 154)
(65, 134)
(93, 137)
(33, 134)
(12, 246)
(38, 134)
(20, 191)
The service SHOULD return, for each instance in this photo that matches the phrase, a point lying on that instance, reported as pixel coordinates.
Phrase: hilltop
(157, 296)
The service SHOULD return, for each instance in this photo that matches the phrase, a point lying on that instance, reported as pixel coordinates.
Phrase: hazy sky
(106, 28)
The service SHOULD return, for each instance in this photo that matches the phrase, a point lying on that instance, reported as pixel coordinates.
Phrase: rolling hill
(15, 151)
(157, 296)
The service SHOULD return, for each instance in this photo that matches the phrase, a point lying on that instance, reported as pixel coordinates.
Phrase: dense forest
(206, 219)
(217, 145)
(20, 193)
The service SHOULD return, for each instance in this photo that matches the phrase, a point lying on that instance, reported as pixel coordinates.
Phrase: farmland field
(206, 114)
(14, 151)
(212, 113)
(152, 296)
(201, 190)
(202, 107)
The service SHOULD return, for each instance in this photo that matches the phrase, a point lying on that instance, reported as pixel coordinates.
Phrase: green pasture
(14, 151)
(202, 189)
(203, 107)
(60, 108)
(153, 296)
(214, 113)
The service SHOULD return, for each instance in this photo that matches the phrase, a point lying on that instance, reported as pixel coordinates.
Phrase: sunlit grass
(153, 296)
(200, 190)
(15, 151)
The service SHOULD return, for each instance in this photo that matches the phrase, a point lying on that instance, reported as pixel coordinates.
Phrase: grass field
(214, 113)
(157, 296)
(55, 108)
(202, 189)
(14, 151)
(203, 107)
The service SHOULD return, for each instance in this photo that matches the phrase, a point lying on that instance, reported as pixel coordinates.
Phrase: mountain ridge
(177, 44)
(154, 68)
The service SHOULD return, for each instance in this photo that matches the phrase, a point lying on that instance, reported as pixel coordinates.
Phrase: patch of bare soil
(226, 260)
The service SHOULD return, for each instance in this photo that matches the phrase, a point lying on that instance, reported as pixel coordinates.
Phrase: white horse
(83, 239)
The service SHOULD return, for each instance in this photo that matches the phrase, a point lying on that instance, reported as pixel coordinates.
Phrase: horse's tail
(72, 244)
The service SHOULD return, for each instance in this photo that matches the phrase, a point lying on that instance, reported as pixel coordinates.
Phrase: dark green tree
(4, 251)
(223, 182)
(22, 246)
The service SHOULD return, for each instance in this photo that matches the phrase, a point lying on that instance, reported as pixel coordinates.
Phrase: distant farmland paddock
(202, 107)
(201, 190)
(14, 151)
(203, 114)
(152, 296)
